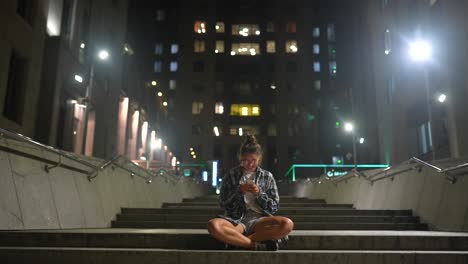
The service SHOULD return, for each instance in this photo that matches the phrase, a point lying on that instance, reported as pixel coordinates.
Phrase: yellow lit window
(219, 27)
(271, 47)
(245, 110)
(291, 46)
(245, 30)
(199, 46)
(245, 49)
(219, 46)
(200, 27)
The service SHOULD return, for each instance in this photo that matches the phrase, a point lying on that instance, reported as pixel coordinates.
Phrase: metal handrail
(94, 169)
(420, 163)
(16, 136)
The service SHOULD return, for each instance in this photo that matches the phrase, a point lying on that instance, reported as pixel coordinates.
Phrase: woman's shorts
(249, 221)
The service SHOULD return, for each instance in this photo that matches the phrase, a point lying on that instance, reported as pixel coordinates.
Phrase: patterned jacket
(231, 198)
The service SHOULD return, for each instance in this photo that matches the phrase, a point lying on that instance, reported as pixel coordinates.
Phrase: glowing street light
(420, 51)
(78, 78)
(348, 127)
(103, 54)
(153, 83)
(442, 98)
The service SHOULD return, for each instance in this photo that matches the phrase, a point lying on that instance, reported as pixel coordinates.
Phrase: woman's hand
(249, 187)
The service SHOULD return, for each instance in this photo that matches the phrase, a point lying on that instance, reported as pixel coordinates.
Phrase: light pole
(349, 127)
(103, 55)
(420, 51)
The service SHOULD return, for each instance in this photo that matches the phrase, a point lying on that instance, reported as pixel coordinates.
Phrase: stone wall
(31, 198)
(441, 204)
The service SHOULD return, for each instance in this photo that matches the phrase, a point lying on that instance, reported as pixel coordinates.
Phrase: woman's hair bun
(250, 140)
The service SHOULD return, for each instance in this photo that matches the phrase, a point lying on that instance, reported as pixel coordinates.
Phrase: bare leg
(227, 232)
(272, 227)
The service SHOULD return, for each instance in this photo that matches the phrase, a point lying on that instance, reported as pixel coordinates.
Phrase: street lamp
(420, 51)
(103, 55)
(349, 127)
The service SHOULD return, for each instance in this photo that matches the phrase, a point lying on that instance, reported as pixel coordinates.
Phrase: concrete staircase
(324, 233)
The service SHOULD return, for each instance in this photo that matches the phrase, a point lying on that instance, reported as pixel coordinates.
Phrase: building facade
(280, 70)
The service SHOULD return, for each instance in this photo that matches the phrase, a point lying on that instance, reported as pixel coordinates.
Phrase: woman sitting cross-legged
(249, 197)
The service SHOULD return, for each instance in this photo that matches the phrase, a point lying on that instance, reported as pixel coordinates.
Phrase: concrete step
(295, 218)
(200, 239)
(297, 225)
(283, 205)
(282, 211)
(282, 200)
(131, 256)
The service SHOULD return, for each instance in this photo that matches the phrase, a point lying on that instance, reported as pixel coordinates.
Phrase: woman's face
(250, 161)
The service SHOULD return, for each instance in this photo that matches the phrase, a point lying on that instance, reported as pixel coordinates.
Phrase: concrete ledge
(105, 255)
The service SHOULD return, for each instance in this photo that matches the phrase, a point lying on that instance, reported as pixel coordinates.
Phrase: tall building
(416, 102)
(280, 70)
(68, 77)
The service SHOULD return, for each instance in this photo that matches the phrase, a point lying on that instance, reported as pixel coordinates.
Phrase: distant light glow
(82, 45)
(160, 94)
(273, 86)
(192, 153)
(361, 140)
(255, 110)
(241, 132)
(216, 51)
(103, 54)
(164, 103)
(205, 176)
(348, 127)
(257, 32)
(174, 161)
(233, 53)
(442, 98)
(194, 156)
(143, 158)
(154, 83)
(420, 51)
(216, 131)
(245, 111)
(191, 149)
(215, 173)
(78, 78)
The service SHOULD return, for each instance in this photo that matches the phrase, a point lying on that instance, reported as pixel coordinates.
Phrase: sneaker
(269, 245)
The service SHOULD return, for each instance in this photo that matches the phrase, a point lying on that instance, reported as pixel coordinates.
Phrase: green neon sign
(293, 167)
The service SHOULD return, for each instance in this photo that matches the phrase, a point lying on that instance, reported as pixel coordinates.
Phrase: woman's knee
(213, 226)
(287, 225)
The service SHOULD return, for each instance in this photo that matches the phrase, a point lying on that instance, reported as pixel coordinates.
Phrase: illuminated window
(245, 110)
(316, 66)
(291, 46)
(245, 30)
(251, 49)
(271, 47)
(316, 32)
(291, 27)
(331, 32)
(270, 27)
(332, 51)
(174, 48)
(158, 48)
(219, 108)
(173, 66)
(317, 85)
(424, 138)
(219, 46)
(160, 15)
(272, 130)
(387, 42)
(240, 131)
(158, 66)
(316, 49)
(200, 27)
(172, 84)
(197, 108)
(220, 27)
(332, 67)
(199, 46)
